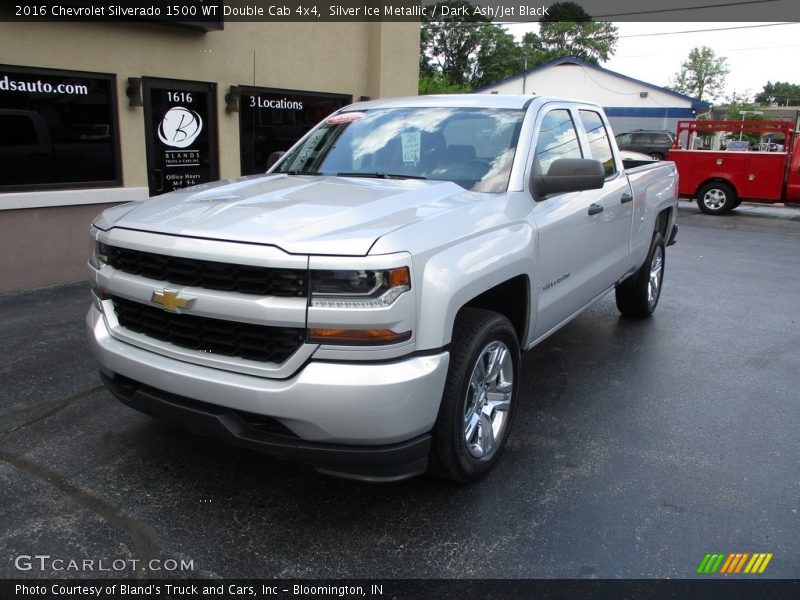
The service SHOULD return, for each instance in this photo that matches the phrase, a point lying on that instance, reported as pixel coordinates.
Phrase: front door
(583, 236)
(180, 133)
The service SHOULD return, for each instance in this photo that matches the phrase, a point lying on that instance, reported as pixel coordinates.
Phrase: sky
(756, 52)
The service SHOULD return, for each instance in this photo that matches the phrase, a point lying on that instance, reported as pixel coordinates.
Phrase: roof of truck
(459, 100)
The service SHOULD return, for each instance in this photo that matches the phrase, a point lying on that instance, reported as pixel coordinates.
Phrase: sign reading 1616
(180, 97)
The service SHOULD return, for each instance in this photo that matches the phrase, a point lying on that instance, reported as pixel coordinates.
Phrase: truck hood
(299, 214)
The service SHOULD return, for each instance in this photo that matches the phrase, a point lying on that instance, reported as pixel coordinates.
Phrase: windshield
(472, 147)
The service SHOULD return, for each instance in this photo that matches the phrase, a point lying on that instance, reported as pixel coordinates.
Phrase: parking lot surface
(639, 446)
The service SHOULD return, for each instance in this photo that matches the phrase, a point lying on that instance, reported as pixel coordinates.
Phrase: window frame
(614, 155)
(546, 111)
(116, 147)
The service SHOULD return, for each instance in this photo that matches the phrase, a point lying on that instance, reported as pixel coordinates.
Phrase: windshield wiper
(381, 175)
(300, 172)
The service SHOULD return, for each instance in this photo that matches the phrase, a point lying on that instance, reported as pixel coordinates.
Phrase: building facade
(94, 114)
(630, 104)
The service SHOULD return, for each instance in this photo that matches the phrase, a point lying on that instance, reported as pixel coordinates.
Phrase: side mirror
(274, 157)
(569, 175)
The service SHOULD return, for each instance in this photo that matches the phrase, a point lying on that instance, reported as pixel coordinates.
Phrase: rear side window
(599, 144)
(557, 139)
(16, 130)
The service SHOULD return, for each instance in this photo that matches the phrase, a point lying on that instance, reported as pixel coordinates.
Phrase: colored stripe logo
(734, 562)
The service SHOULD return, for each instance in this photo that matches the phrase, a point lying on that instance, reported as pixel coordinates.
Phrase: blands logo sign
(180, 127)
(734, 563)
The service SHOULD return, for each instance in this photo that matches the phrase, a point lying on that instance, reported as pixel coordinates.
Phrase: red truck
(721, 179)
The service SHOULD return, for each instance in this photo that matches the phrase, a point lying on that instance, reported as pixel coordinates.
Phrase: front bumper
(366, 420)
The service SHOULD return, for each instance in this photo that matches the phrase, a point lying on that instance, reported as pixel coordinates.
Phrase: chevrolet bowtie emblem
(169, 300)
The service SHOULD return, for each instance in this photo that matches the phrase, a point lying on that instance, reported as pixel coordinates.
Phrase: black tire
(636, 296)
(454, 455)
(717, 198)
(656, 156)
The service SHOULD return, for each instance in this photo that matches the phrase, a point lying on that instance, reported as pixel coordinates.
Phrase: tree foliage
(437, 84)
(450, 45)
(702, 75)
(569, 31)
(779, 93)
(469, 51)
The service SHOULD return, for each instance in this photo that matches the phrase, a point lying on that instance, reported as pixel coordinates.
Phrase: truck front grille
(263, 281)
(216, 336)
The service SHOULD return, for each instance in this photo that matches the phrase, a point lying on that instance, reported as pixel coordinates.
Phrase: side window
(16, 131)
(557, 139)
(624, 139)
(599, 144)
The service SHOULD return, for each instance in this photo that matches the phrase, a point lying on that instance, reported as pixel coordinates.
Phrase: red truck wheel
(717, 198)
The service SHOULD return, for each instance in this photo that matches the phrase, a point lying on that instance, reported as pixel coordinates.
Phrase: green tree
(469, 51)
(702, 75)
(437, 84)
(569, 31)
(780, 93)
(449, 46)
(498, 57)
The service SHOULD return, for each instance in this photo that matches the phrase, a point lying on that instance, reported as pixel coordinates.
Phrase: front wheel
(479, 399)
(638, 295)
(717, 198)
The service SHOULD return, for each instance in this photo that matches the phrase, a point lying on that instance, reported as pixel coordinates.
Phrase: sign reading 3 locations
(271, 120)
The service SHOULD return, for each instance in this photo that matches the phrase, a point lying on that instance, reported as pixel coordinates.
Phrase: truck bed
(755, 175)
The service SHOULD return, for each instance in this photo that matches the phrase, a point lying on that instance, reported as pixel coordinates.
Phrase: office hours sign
(181, 134)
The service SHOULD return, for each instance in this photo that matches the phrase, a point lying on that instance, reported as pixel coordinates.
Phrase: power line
(681, 9)
(721, 50)
(635, 35)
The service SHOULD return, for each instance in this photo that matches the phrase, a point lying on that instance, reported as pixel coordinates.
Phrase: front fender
(455, 275)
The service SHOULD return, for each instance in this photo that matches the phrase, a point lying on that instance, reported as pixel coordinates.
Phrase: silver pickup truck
(362, 307)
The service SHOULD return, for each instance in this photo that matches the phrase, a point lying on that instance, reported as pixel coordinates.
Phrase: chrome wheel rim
(656, 272)
(714, 199)
(488, 400)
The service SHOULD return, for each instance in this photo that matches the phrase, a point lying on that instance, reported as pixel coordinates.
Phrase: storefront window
(58, 129)
(271, 120)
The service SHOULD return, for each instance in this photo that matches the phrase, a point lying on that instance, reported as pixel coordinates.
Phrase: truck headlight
(99, 255)
(358, 289)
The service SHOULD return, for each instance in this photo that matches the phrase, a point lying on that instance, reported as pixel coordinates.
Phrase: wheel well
(662, 221)
(511, 299)
(715, 180)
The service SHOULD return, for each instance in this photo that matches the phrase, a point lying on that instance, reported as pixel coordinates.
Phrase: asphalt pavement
(639, 447)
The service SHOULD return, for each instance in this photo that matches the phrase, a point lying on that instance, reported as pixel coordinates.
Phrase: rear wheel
(717, 198)
(479, 398)
(638, 295)
(656, 156)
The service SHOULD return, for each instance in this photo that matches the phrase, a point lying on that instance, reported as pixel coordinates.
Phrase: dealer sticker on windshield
(411, 146)
(348, 117)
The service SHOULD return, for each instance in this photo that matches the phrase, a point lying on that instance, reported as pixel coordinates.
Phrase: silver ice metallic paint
(456, 244)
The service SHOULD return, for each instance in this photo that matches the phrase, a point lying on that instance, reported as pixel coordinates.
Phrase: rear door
(616, 199)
